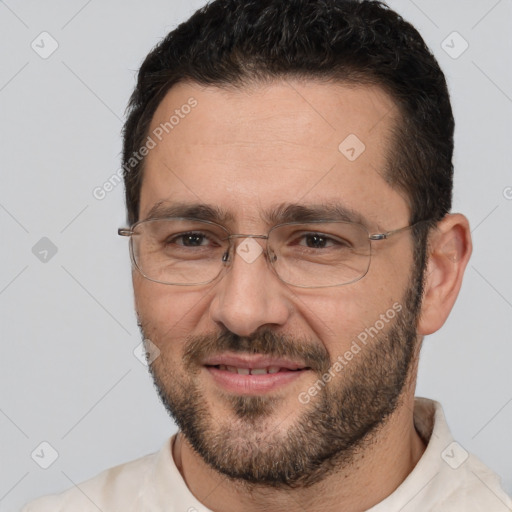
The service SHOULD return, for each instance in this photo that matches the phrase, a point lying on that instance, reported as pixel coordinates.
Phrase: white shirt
(446, 479)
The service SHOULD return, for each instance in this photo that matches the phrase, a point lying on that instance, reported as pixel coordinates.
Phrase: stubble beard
(328, 433)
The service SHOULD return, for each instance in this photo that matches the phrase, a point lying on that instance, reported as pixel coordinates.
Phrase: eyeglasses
(187, 252)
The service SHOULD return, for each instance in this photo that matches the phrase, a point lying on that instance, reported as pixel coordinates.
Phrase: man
(288, 172)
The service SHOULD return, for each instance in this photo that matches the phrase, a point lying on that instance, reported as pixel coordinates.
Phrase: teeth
(258, 371)
(250, 371)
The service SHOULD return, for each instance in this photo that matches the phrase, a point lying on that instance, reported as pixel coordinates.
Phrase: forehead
(248, 149)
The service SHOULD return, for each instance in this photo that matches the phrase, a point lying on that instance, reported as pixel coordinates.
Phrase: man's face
(246, 151)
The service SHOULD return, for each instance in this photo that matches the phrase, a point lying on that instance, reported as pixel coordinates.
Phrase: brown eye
(188, 239)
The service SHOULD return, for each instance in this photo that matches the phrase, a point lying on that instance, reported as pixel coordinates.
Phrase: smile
(253, 371)
(252, 374)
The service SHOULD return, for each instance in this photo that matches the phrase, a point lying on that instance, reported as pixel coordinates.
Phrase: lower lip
(253, 384)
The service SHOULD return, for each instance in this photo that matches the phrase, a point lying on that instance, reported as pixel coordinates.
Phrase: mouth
(254, 371)
(253, 374)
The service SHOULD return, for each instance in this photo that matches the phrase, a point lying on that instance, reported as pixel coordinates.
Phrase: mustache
(267, 342)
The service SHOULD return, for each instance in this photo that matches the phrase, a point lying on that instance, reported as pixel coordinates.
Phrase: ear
(448, 252)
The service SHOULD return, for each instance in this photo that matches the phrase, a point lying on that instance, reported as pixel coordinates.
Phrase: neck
(376, 471)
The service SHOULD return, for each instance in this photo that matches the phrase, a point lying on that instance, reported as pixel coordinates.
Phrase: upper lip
(252, 361)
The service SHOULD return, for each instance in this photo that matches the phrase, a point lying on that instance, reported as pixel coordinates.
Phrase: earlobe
(449, 251)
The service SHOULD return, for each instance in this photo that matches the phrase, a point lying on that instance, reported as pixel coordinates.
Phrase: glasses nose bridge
(243, 236)
(230, 237)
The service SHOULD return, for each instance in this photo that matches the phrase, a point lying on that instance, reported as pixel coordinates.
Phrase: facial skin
(247, 150)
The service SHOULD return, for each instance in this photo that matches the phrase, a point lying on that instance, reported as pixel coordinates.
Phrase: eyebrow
(201, 211)
(277, 214)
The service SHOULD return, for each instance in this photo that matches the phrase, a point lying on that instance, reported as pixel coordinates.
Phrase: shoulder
(116, 488)
(447, 478)
(458, 480)
(475, 487)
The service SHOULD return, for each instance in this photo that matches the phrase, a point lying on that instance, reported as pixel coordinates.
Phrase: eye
(189, 239)
(321, 241)
(316, 240)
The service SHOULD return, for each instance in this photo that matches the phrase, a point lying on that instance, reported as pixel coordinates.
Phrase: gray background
(68, 374)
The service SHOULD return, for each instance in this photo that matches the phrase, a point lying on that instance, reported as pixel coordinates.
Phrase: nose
(249, 294)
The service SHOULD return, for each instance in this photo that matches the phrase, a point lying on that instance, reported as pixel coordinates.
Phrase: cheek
(169, 313)
(337, 317)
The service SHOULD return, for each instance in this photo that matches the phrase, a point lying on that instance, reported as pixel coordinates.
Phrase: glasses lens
(179, 251)
(320, 254)
(190, 252)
